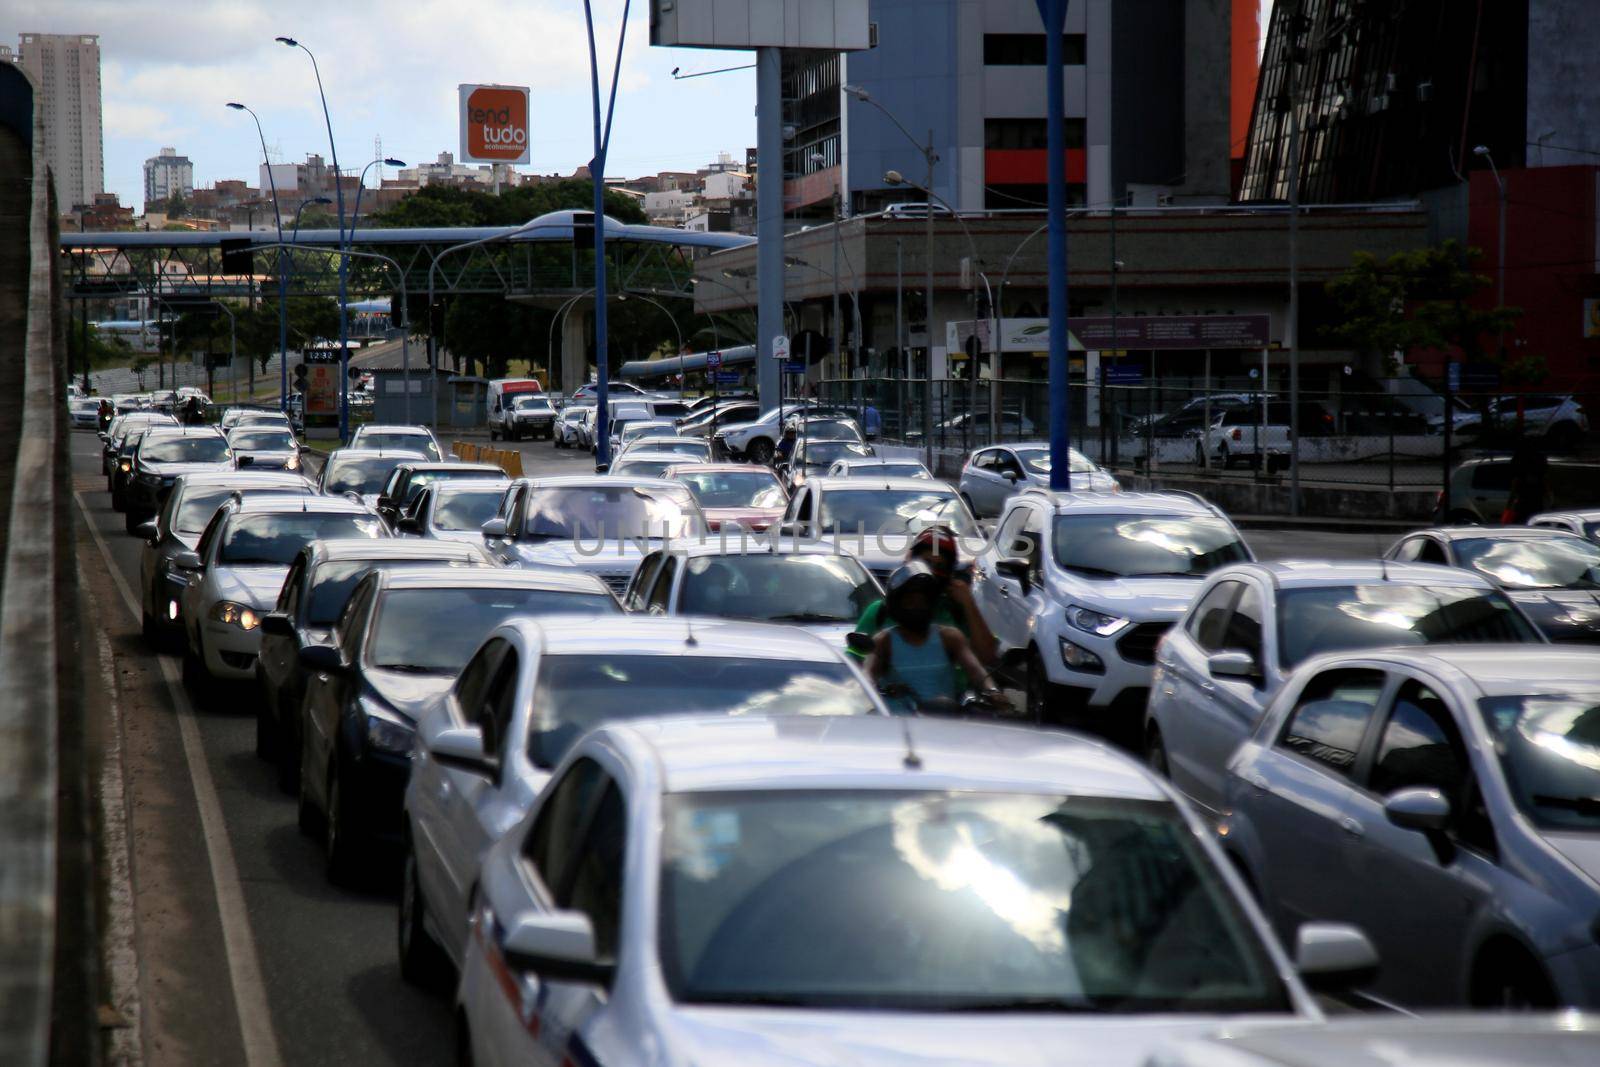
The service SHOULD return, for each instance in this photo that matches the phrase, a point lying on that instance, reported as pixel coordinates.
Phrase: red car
(743, 493)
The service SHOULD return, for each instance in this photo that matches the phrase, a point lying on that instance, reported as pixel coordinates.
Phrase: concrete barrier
(511, 463)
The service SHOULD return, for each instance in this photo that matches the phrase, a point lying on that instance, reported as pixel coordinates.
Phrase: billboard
(829, 25)
(494, 124)
(322, 381)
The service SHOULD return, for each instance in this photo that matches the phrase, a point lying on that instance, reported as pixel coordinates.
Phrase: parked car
(1252, 624)
(410, 438)
(453, 510)
(362, 472)
(1582, 523)
(1444, 800)
(1083, 586)
(525, 415)
(1556, 419)
(408, 479)
(162, 455)
(400, 642)
(1480, 489)
(878, 467)
(486, 750)
(264, 447)
(875, 519)
(1552, 575)
(1088, 909)
(745, 494)
(990, 476)
(1007, 423)
(1247, 434)
(916, 210)
(1188, 418)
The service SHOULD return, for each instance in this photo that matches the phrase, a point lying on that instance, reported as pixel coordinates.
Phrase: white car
(1247, 434)
(83, 412)
(524, 415)
(363, 472)
(232, 417)
(484, 755)
(629, 422)
(691, 448)
(567, 432)
(1558, 419)
(411, 438)
(875, 519)
(756, 440)
(237, 569)
(1083, 586)
(991, 476)
(454, 510)
(1582, 523)
(264, 446)
(1252, 624)
(767, 890)
(642, 464)
(879, 467)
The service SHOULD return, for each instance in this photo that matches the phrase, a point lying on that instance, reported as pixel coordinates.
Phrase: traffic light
(299, 377)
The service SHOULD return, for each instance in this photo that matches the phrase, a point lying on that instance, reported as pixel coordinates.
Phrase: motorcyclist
(936, 546)
(916, 654)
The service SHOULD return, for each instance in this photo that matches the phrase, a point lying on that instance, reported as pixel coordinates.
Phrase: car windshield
(262, 418)
(1319, 619)
(1037, 461)
(414, 442)
(1549, 747)
(1145, 546)
(199, 449)
(361, 474)
(420, 480)
(335, 580)
(577, 692)
(646, 468)
(1524, 563)
(893, 511)
(262, 440)
(610, 513)
(273, 540)
(531, 403)
(824, 453)
(200, 503)
(754, 488)
(435, 631)
(777, 587)
(888, 470)
(828, 431)
(956, 901)
(698, 449)
(467, 509)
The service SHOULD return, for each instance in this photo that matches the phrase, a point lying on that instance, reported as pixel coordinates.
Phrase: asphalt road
(246, 954)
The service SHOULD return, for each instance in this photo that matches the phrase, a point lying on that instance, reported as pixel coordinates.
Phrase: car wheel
(336, 843)
(1509, 979)
(422, 961)
(1155, 753)
(760, 450)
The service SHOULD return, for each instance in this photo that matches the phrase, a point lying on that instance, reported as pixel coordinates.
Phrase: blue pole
(1054, 14)
(602, 142)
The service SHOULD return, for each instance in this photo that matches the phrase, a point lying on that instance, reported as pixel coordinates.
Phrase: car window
(1419, 746)
(1407, 552)
(1209, 622)
(634, 599)
(1430, 551)
(1492, 476)
(475, 677)
(1244, 626)
(802, 508)
(596, 877)
(1331, 716)
(1009, 538)
(498, 705)
(1006, 463)
(351, 622)
(289, 595)
(556, 830)
(661, 593)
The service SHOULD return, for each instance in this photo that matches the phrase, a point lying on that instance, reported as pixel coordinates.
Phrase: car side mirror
(461, 748)
(186, 561)
(859, 643)
(1234, 663)
(1011, 476)
(1424, 810)
(321, 659)
(495, 527)
(277, 624)
(1334, 957)
(147, 530)
(1018, 570)
(556, 946)
(408, 523)
(601, 468)
(245, 461)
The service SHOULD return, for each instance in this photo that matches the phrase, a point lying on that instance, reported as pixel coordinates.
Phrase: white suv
(1083, 586)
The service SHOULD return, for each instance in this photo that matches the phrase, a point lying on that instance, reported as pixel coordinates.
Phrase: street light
(361, 187)
(283, 275)
(344, 261)
(1482, 151)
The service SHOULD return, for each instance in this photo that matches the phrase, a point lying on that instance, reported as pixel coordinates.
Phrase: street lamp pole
(283, 269)
(1054, 15)
(361, 187)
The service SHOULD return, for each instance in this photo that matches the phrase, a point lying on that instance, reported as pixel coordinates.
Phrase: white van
(502, 393)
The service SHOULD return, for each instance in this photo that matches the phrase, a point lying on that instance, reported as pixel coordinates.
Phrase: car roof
(672, 457)
(706, 753)
(1582, 516)
(159, 431)
(607, 481)
(466, 485)
(728, 468)
(857, 485)
(639, 442)
(758, 546)
(661, 635)
(377, 453)
(549, 578)
(436, 465)
(271, 504)
(1292, 573)
(339, 548)
(1499, 533)
(247, 479)
(1154, 503)
(1500, 669)
(380, 427)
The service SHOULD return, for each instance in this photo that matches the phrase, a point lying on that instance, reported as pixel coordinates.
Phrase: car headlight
(226, 611)
(124, 466)
(1094, 622)
(387, 734)
(292, 463)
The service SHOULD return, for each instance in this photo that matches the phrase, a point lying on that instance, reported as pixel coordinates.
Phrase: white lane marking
(244, 966)
(122, 953)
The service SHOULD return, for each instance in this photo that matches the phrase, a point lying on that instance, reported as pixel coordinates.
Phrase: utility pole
(1054, 14)
(838, 329)
(927, 403)
(1293, 330)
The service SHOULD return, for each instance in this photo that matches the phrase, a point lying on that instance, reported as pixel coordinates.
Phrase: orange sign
(494, 124)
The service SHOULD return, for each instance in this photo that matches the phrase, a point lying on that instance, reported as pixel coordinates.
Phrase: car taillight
(1237, 435)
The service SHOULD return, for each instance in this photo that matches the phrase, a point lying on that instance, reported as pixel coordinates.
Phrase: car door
(327, 692)
(1235, 705)
(1003, 601)
(278, 652)
(1008, 475)
(1419, 892)
(988, 492)
(659, 599)
(1188, 716)
(634, 597)
(1296, 792)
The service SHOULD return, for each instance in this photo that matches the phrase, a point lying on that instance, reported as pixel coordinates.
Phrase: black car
(164, 453)
(1552, 575)
(409, 479)
(397, 647)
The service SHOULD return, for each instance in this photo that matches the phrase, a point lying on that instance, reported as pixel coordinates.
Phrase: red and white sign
(494, 124)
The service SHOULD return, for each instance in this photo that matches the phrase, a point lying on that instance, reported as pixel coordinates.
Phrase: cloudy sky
(390, 68)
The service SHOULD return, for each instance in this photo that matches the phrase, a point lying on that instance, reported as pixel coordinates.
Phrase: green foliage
(177, 206)
(109, 351)
(1418, 300)
(448, 205)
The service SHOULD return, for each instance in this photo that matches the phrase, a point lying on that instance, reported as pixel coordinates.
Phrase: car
(757, 440)
(879, 467)
(264, 446)
(875, 519)
(127, 443)
(1559, 420)
(453, 510)
(707, 420)
(1480, 489)
(408, 479)
(486, 749)
(820, 427)
(616, 390)
(400, 642)
(1252, 624)
(362, 472)
(601, 524)
(813, 456)
(162, 455)
(83, 413)
(1247, 434)
(916, 209)
(526, 415)
(986, 428)
(990, 476)
(111, 438)
(242, 416)
(1081, 587)
(648, 464)
(691, 448)
(1188, 418)
(237, 570)
(503, 395)
(1555, 1039)
(1582, 523)
(315, 590)
(809, 586)
(770, 890)
(184, 516)
(1552, 575)
(629, 422)
(1444, 798)
(386, 437)
(124, 403)
(584, 430)
(741, 494)
(565, 434)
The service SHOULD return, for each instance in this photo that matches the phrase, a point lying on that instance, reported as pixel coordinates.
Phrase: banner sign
(322, 381)
(494, 124)
(1137, 332)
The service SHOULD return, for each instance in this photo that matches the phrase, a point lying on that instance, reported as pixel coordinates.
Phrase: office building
(66, 70)
(164, 175)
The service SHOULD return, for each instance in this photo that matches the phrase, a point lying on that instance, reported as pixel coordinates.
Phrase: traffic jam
(762, 743)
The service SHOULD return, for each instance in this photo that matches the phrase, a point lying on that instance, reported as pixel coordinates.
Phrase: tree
(177, 206)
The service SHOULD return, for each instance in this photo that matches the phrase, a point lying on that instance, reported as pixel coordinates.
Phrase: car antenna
(1383, 568)
(911, 760)
(689, 640)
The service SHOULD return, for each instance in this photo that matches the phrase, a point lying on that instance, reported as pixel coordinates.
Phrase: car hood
(1563, 614)
(409, 694)
(1150, 599)
(749, 518)
(172, 470)
(757, 1037)
(607, 559)
(256, 586)
(729, 428)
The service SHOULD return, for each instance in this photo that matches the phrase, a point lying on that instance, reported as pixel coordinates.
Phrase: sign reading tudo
(494, 124)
